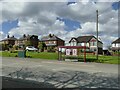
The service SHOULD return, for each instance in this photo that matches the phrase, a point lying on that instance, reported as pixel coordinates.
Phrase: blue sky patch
(8, 25)
(70, 24)
(116, 5)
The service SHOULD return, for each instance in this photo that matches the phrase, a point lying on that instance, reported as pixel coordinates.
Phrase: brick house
(9, 40)
(52, 41)
(116, 45)
(33, 39)
(90, 41)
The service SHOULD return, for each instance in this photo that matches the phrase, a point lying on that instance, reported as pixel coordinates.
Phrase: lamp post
(97, 33)
(84, 52)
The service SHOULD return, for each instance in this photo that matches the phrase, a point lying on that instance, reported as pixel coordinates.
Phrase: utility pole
(97, 33)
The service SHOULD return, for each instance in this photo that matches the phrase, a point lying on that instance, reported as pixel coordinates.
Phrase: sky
(64, 19)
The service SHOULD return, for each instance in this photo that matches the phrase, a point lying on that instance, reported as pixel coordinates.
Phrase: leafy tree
(41, 46)
(15, 47)
(4, 46)
(51, 49)
(28, 43)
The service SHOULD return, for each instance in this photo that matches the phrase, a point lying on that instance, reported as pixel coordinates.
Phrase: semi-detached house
(89, 41)
(52, 41)
(116, 45)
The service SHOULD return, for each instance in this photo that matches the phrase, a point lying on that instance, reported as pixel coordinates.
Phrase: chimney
(13, 36)
(7, 36)
(24, 35)
(50, 35)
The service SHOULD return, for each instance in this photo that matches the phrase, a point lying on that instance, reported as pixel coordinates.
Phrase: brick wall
(60, 43)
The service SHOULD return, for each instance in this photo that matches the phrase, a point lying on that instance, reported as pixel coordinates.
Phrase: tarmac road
(20, 83)
(60, 74)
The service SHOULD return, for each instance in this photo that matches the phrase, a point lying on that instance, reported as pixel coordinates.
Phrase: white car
(31, 48)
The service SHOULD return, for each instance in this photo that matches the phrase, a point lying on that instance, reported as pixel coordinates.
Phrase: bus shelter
(75, 51)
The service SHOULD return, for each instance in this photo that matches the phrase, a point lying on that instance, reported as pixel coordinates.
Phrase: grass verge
(54, 56)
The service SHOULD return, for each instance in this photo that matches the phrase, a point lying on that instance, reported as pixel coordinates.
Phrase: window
(93, 43)
(49, 42)
(94, 49)
(90, 43)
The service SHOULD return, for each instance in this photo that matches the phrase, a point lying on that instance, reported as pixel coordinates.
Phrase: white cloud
(12, 10)
(2, 35)
(56, 28)
(1, 32)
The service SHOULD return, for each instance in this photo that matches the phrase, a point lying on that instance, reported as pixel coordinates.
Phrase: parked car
(31, 48)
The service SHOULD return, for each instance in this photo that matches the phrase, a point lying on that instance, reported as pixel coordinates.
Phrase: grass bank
(42, 55)
(54, 56)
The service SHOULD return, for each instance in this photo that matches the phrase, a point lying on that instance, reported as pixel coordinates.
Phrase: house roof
(82, 39)
(73, 38)
(50, 38)
(10, 38)
(116, 41)
(26, 37)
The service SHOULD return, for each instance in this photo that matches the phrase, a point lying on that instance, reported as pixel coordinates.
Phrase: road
(61, 74)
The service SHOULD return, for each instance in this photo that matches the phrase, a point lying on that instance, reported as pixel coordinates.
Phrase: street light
(97, 33)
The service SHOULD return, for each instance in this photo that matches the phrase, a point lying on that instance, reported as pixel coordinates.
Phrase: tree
(15, 47)
(28, 43)
(3, 46)
(41, 46)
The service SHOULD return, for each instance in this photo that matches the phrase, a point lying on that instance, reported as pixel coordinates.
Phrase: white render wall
(100, 45)
(116, 45)
(87, 44)
(73, 43)
(83, 44)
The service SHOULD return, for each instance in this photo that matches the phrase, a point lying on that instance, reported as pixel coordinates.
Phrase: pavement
(59, 74)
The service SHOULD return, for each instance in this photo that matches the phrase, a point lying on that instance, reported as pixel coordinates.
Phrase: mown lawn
(104, 59)
(42, 55)
(54, 56)
(7, 54)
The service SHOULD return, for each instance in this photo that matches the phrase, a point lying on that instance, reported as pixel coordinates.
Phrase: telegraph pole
(97, 33)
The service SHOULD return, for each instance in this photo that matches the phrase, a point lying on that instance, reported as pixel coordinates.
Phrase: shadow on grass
(67, 79)
(91, 60)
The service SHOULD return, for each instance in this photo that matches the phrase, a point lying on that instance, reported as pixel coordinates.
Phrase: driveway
(61, 74)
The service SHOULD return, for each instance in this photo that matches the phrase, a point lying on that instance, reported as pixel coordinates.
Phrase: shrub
(51, 49)
(13, 51)
(15, 47)
(41, 46)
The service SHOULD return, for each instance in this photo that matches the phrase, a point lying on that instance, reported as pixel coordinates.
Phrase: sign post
(84, 52)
